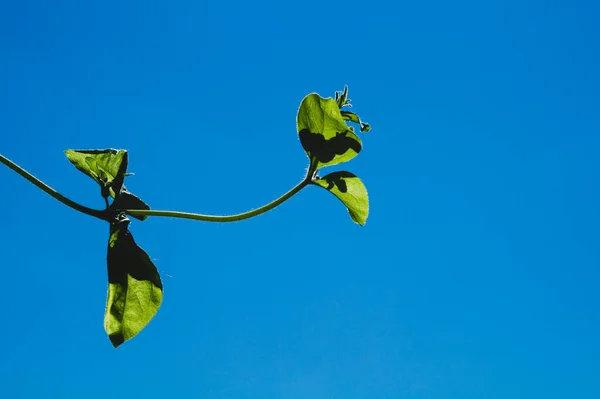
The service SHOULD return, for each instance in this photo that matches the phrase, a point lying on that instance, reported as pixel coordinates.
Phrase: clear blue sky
(476, 275)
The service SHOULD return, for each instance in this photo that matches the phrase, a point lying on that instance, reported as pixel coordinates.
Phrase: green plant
(134, 285)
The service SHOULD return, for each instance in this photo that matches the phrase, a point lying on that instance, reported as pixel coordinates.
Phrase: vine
(135, 289)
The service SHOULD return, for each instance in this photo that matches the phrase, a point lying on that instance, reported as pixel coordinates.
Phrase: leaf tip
(116, 339)
(358, 219)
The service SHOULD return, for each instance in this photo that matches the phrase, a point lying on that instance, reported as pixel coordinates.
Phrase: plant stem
(106, 214)
(52, 192)
(240, 216)
(222, 219)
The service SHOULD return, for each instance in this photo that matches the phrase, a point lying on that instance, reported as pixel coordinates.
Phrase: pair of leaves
(108, 168)
(328, 140)
(134, 285)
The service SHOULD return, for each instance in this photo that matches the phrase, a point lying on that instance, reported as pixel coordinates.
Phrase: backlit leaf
(350, 190)
(134, 285)
(323, 133)
(106, 167)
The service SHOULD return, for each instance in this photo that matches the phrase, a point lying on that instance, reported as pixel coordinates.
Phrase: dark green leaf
(352, 117)
(323, 133)
(351, 191)
(134, 285)
(126, 200)
(106, 167)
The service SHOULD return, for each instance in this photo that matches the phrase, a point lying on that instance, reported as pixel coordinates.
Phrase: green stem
(222, 219)
(52, 192)
(240, 216)
(105, 215)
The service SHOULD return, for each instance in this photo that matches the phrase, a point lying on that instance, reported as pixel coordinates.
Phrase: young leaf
(125, 200)
(323, 133)
(106, 167)
(350, 190)
(352, 117)
(341, 98)
(134, 285)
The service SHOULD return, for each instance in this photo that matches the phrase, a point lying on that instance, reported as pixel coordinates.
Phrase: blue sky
(475, 277)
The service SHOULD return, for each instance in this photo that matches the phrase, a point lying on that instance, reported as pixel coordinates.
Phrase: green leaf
(125, 200)
(106, 167)
(350, 190)
(352, 117)
(134, 285)
(323, 133)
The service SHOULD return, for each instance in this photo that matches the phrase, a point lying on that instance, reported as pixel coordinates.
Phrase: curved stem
(222, 219)
(105, 214)
(240, 216)
(52, 192)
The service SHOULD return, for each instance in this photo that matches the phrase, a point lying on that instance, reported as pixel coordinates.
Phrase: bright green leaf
(323, 132)
(352, 117)
(126, 200)
(106, 167)
(134, 285)
(351, 191)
